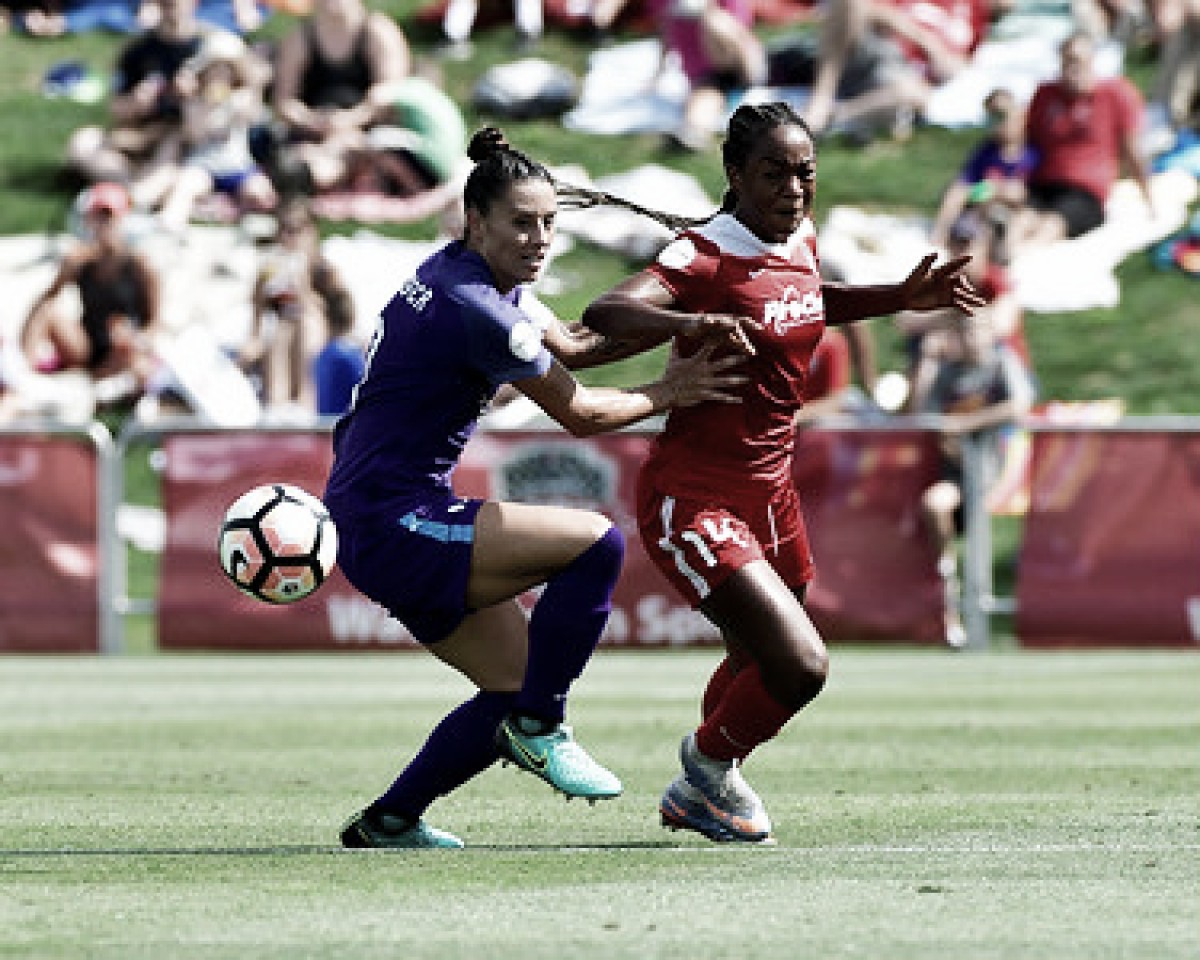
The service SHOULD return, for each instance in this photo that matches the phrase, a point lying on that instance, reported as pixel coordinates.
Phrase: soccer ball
(277, 543)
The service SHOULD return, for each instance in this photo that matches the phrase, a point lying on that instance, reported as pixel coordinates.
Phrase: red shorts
(699, 543)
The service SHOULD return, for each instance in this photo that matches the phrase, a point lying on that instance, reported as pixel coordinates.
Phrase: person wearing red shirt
(882, 57)
(1083, 128)
(717, 507)
(718, 52)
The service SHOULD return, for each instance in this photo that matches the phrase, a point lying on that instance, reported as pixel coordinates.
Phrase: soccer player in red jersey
(717, 508)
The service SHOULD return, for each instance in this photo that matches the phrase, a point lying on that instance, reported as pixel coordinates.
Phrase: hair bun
(487, 143)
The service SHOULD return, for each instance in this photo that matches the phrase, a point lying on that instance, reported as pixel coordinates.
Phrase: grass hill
(1146, 351)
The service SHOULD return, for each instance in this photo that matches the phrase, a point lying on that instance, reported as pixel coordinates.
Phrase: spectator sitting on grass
(878, 60)
(210, 152)
(333, 81)
(145, 107)
(1084, 128)
(292, 297)
(993, 178)
(112, 336)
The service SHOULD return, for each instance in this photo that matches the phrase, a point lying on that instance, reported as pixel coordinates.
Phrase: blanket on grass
(1079, 274)
(620, 93)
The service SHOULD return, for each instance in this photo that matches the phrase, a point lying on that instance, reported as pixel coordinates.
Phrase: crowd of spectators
(200, 118)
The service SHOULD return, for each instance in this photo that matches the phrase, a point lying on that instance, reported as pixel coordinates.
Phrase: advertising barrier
(198, 608)
(1111, 550)
(51, 575)
(877, 580)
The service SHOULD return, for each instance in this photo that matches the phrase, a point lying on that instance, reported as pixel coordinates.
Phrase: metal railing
(101, 440)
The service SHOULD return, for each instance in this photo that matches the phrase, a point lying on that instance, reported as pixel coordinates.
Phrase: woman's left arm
(576, 346)
(925, 288)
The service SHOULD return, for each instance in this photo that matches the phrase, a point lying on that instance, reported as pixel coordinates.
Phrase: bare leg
(1032, 228)
(190, 185)
(96, 157)
(762, 620)
(845, 22)
(518, 546)
(52, 333)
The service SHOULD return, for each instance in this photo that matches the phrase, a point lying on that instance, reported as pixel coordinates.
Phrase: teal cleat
(366, 830)
(557, 759)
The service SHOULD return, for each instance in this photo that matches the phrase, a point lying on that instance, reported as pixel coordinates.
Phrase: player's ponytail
(498, 165)
(748, 126)
(572, 197)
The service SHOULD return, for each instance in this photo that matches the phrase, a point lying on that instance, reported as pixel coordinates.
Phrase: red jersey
(829, 372)
(723, 268)
(959, 24)
(1079, 136)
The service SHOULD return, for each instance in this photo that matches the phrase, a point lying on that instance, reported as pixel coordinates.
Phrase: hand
(698, 378)
(929, 289)
(719, 329)
(185, 84)
(149, 90)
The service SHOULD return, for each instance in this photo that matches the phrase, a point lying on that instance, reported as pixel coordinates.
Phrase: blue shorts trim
(442, 532)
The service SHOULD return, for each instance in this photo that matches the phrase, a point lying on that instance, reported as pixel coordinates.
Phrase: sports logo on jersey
(793, 309)
(524, 340)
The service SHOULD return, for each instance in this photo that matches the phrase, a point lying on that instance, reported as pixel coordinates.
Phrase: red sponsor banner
(876, 572)
(1111, 549)
(877, 578)
(48, 557)
(198, 608)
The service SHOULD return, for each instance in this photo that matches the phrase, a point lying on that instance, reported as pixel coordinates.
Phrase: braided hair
(748, 127)
(499, 165)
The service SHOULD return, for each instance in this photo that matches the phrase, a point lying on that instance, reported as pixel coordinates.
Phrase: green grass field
(929, 805)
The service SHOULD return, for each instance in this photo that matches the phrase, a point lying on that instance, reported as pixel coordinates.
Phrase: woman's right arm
(67, 271)
(584, 411)
(641, 308)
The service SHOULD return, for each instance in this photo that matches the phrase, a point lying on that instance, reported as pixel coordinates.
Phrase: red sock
(718, 686)
(745, 717)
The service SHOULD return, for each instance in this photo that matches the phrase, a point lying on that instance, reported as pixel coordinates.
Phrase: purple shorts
(413, 560)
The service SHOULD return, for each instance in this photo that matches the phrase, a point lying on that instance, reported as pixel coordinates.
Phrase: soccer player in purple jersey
(450, 568)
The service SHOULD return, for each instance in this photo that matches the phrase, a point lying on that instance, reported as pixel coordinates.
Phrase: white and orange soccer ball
(277, 543)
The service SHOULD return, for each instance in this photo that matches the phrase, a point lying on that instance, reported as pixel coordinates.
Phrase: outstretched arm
(577, 347)
(926, 288)
(585, 411)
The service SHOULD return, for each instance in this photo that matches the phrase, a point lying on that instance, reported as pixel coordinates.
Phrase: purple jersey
(444, 344)
(987, 161)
